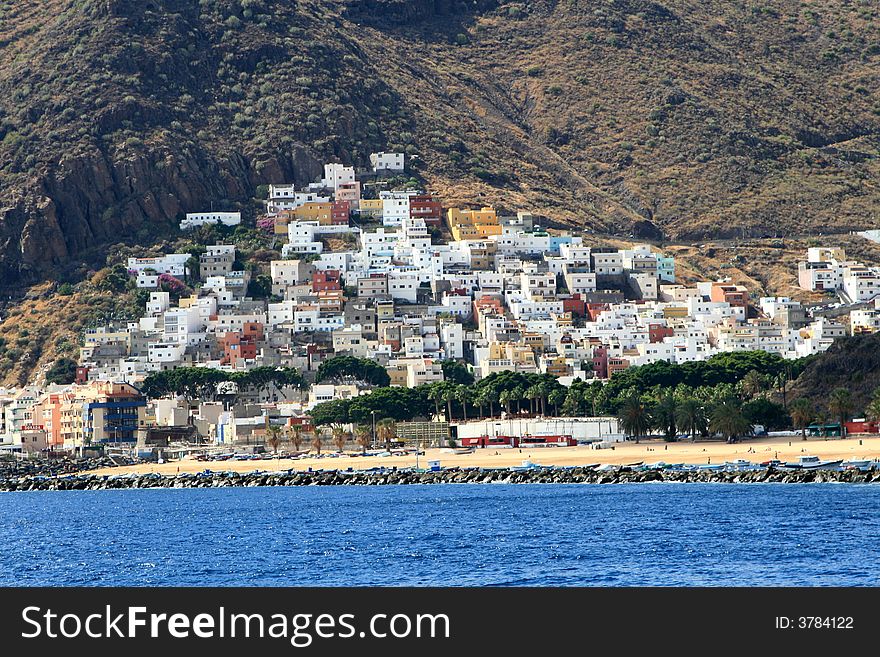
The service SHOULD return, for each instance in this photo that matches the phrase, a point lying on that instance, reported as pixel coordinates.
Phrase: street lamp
(373, 424)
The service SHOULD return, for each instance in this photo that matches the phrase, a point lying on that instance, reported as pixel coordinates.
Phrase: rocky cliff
(671, 118)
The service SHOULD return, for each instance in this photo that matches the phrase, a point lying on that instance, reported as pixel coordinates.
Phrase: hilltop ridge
(118, 115)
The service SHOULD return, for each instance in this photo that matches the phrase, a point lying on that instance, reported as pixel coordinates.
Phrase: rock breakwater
(210, 479)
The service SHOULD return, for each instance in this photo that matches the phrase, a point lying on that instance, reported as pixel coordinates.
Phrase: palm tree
(544, 390)
(340, 436)
(691, 417)
(840, 405)
(518, 395)
(505, 399)
(317, 441)
(782, 384)
(363, 434)
(727, 419)
(449, 395)
(572, 404)
(480, 401)
(296, 431)
(557, 399)
(273, 438)
(491, 399)
(532, 394)
(437, 395)
(387, 430)
(802, 413)
(873, 409)
(664, 415)
(634, 417)
(753, 384)
(464, 395)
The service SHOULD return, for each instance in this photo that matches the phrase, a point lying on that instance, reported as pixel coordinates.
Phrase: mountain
(683, 117)
(852, 363)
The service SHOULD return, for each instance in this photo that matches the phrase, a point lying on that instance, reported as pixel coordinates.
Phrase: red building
(593, 310)
(574, 305)
(426, 207)
(82, 375)
(656, 332)
(241, 344)
(326, 279)
(862, 426)
(490, 441)
(547, 441)
(340, 213)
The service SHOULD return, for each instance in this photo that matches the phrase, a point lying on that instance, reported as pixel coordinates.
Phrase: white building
(194, 219)
(387, 161)
(173, 264)
(336, 175)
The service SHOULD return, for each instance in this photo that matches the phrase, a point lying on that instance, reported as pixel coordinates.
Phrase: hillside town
(401, 281)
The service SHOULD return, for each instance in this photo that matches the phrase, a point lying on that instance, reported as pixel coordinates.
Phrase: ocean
(446, 535)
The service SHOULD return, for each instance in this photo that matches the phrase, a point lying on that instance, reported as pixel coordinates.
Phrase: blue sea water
(446, 535)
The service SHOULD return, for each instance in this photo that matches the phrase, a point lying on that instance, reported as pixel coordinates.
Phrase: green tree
(533, 394)
(273, 437)
(518, 395)
(802, 413)
(387, 432)
(62, 372)
(873, 409)
(753, 384)
(464, 395)
(318, 440)
(340, 436)
(456, 372)
(691, 417)
(634, 417)
(766, 412)
(506, 398)
(727, 419)
(664, 415)
(557, 398)
(449, 396)
(296, 435)
(573, 400)
(341, 368)
(437, 394)
(840, 405)
(363, 436)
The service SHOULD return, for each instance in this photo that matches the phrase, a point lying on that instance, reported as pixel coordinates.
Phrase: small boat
(466, 450)
(711, 468)
(812, 463)
(865, 465)
(526, 465)
(740, 464)
(659, 465)
(608, 467)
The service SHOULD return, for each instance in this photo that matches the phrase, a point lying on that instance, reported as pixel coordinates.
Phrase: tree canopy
(341, 368)
(201, 382)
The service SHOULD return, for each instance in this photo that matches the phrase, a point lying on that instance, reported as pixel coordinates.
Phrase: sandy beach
(756, 450)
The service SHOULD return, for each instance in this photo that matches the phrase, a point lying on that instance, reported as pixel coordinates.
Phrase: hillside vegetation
(707, 119)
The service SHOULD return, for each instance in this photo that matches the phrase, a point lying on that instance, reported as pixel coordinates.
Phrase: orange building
(735, 295)
(315, 211)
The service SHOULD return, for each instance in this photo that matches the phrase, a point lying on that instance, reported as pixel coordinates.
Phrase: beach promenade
(701, 452)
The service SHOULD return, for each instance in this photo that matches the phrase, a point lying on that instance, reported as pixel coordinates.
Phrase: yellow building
(315, 211)
(472, 224)
(371, 207)
(670, 312)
